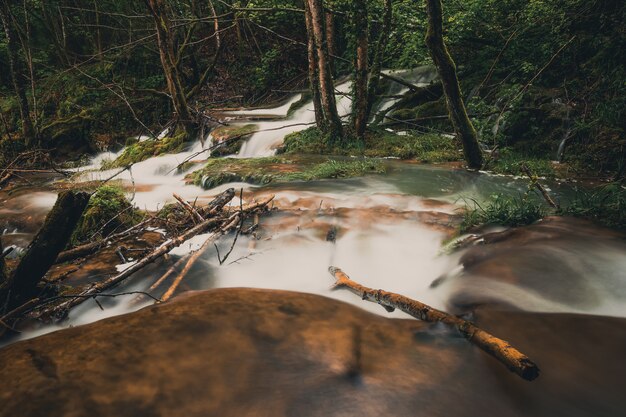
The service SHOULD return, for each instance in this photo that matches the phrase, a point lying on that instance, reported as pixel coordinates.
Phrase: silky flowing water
(389, 231)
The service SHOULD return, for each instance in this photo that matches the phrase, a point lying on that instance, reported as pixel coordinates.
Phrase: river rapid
(389, 231)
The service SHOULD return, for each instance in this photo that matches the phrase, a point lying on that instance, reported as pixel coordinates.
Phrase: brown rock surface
(243, 352)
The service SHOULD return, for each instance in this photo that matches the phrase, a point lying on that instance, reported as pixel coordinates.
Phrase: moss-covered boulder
(232, 137)
(430, 114)
(431, 148)
(138, 151)
(538, 123)
(108, 211)
(262, 171)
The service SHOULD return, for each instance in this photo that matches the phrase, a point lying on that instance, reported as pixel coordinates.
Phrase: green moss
(140, 151)
(305, 98)
(508, 162)
(274, 169)
(108, 211)
(430, 148)
(225, 133)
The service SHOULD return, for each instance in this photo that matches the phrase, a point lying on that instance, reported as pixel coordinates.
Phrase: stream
(390, 231)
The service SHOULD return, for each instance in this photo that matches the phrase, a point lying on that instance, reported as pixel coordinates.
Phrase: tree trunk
(3, 274)
(377, 64)
(313, 72)
(330, 40)
(17, 75)
(44, 249)
(359, 108)
(326, 85)
(447, 72)
(165, 41)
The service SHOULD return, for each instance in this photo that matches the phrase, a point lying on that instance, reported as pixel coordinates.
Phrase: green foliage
(108, 212)
(508, 162)
(605, 204)
(502, 210)
(262, 171)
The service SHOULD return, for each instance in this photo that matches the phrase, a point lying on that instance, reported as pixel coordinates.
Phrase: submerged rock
(243, 352)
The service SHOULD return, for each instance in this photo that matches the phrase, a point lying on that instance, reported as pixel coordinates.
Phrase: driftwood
(192, 211)
(89, 248)
(43, 250)
(513, 359)
(524, 168)
(234, 220)
(62, 308)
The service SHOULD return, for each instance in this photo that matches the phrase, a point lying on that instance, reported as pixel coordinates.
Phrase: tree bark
(17, 75)
(326, 85)
(44, 249)
(447, 72)
(513, 359)
(330, 40)
(3, 274)
(377, 63)
(167, 53)
(313, 71)
(359, 116)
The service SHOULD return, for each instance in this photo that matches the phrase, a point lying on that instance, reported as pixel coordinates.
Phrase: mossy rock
(305, 98)
(229, 133)
(538, 123)
(108, 211)
(140, 151)
(433, 91)
(261, 171)
(431, 148)
(424, 115)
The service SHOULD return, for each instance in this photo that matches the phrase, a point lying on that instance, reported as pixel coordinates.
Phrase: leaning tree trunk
(3, 274)
(447, 72)
(326, 85)
(360, 79)
(51, 239)
(377, 64)
(165, 41)
(313, 72)
(17, 76)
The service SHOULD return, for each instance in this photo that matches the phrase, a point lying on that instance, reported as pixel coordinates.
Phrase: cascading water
(389, 229)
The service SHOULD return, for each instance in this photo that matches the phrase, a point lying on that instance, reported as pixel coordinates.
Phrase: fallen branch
(234, 220)
(514, 360)
(546, 196)
(192, 211)
(61, 309)
(89, 248)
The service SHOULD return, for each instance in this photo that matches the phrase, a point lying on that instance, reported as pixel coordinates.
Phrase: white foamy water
(382, 240)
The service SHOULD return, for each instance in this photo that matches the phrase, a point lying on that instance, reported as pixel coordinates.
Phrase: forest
(184, 182)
